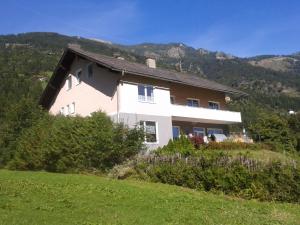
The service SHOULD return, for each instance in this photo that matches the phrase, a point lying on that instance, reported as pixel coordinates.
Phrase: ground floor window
(214, 131)
(150, 128)
(176, 132)
(199, 131)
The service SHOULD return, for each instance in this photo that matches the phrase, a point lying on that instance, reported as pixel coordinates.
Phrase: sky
(239, 27)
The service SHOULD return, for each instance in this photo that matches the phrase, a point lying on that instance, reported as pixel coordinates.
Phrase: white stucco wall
(92, 94)
(129, 102)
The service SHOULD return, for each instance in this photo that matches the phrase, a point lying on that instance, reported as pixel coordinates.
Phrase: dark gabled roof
(121, 65)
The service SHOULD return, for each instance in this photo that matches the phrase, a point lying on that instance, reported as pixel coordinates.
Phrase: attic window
(69, 83)
(78, 76)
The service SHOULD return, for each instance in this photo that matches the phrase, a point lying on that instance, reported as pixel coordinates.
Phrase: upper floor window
(69, 82)
(145, 93)
(90, 70)
(78, 76)
(213, 105)
(193, 102)
(172, 99)
(150, 129)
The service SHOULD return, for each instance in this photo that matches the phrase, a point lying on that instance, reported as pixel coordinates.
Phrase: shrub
(230, 145)
(197, 141)
(63, 144)
(182, 145)
(274, 130)
(273, 181)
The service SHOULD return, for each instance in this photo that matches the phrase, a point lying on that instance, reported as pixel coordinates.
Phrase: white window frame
(146, 93)
(78, 80)
(67, 110)
(62, 111)
(87, 70)
(199, 131)
(69, 82)
(193, 99)
(215, 129)
(218, 103)
(71, 108)
(156, 131)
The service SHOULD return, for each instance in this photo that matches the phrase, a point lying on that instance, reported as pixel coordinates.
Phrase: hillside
(31, 57)
(46, 198)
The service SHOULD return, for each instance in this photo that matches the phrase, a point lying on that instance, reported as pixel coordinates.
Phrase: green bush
(273, 130)
(63, 144)
(270, 182)
(182, 145)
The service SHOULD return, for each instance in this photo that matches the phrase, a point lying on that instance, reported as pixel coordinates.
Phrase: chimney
(151, 63)
(117, 55)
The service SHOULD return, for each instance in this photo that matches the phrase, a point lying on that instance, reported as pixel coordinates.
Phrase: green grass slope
(45, 198)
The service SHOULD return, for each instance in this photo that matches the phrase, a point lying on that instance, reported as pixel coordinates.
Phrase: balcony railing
(199, 114)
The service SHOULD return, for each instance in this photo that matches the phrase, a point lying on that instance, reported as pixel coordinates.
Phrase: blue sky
(240, 27)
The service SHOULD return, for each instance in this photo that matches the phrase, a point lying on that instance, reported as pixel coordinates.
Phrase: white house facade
(165, 103)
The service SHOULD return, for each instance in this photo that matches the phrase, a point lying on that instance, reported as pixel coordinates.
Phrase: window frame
(72, 108)
(67, 110)
(156, 131)
(193, 99)
(62, 111)
(199, 131)
(78, 79)
(146, 99)
(218, 103)
(211, 128)
(173, 133)
(69, 82)
(172, 96)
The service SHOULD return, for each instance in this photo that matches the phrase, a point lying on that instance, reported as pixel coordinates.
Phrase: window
(150, 129)
(214, 131)
(78, 76)
(199, 131)
(72, 108)
(90, 70)
(69, 82)
(193, 102)
(67, 110)
(213, 105)
(176, 132)
(62, 111)
(172, 99)
(145, 93)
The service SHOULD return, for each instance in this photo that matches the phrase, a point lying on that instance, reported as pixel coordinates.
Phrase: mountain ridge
(277, 88)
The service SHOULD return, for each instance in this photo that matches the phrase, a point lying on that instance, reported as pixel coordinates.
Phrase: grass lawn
(47, 198)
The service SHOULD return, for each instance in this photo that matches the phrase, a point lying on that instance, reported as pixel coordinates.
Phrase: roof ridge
(142, 69)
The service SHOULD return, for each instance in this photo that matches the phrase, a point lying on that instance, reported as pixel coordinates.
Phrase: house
(164, 102)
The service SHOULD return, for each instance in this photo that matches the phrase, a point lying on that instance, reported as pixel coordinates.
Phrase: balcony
(204, 115)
